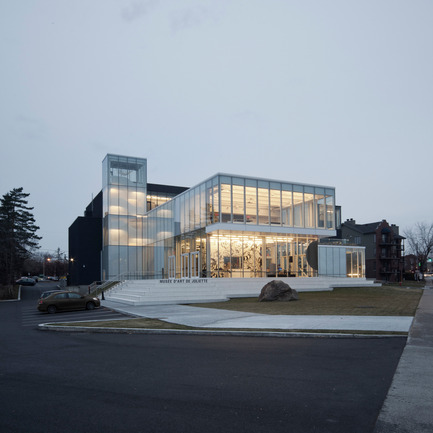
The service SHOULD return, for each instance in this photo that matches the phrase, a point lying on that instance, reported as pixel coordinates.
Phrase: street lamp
(43, 265)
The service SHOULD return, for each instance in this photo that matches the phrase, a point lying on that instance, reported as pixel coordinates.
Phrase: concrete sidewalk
(408, 407)
(216, 318)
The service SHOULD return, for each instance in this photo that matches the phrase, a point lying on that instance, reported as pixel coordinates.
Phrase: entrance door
(195, 264)
(184, 265)
(172, 267)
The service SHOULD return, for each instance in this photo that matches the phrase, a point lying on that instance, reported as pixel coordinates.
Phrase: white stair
(154, 292)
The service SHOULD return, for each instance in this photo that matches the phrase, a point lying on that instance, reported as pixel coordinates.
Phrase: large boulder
(277, 290)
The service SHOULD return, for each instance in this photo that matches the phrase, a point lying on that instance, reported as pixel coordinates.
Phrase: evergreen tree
(17, 234)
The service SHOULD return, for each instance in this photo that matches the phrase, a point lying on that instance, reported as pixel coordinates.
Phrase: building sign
(183, 280)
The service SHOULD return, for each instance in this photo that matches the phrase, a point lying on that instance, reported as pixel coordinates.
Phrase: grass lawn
(363, 301)
(136, 323)
(360, 301)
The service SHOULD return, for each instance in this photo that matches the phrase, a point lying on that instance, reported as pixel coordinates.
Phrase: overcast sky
(336, 93)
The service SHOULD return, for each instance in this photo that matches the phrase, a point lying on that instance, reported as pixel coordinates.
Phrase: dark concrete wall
(85, 245)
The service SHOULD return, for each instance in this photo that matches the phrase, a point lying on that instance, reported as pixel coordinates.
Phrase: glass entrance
(172, 267)
(195, 264)
(184, 265)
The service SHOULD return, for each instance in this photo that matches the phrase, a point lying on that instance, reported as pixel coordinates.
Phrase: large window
(320, 208)
(209, 204)
(275, 202)
(216, 211)
(330, 217)
(226, 201)
(263, 202)
(203, 204)
(238, 201)
(247, 255)
(298, 207)
(309, 206)
(287, 205)
(355, 262)
(251, 201)
(235, 200)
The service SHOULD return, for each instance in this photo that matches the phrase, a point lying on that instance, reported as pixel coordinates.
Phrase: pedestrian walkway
(408, 408)
(216, 318)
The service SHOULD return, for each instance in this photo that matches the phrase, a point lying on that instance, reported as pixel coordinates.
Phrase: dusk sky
(335, 93)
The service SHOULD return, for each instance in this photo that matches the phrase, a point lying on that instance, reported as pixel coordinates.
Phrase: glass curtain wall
(252, 255)
(124, 198)
(341, 261)
(355, 262)
(250, 201)
(177, 228)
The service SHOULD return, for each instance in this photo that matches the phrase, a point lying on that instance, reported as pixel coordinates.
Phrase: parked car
(26, 281)
(48, 293)
(64, 300)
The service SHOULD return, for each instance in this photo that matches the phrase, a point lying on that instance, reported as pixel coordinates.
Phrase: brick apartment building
(384, 248)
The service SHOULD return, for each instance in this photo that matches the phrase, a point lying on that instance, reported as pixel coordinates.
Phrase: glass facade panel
(251, 204)
(113, 230)
(209, 204)
(197, 213)
(320, 208)
(275, 197)
(263, 205)
(226, 203)
(330, 209)
(192, 213)
(187, 218)
(298, 209)
(202, 205)
(182, 212)
(309, 206)
(216, 204)
(238, 204)
(355, 262)
(287, 208)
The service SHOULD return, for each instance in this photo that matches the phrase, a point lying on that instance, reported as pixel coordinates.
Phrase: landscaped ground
(360, 301)
(363, 301)
(8, 292)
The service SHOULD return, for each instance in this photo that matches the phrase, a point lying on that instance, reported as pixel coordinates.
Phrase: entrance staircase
(158, 292)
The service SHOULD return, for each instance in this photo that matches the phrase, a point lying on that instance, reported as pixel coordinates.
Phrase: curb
(83, 329)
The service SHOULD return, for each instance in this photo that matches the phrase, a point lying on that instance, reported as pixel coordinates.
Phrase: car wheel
(90, 306)
(51, 309)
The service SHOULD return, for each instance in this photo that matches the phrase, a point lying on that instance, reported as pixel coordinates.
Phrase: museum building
(227, 226)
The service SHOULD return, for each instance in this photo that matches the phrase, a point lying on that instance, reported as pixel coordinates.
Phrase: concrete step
(141, 292)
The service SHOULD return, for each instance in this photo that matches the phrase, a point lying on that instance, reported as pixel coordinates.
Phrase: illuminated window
(238, 202)
(226, 201)
(251, 202)
(263, 202)
(275, 196)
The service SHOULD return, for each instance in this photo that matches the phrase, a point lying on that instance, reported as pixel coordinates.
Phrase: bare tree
(420, 240)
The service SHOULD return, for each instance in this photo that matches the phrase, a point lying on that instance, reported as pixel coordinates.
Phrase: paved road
(66, 382)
